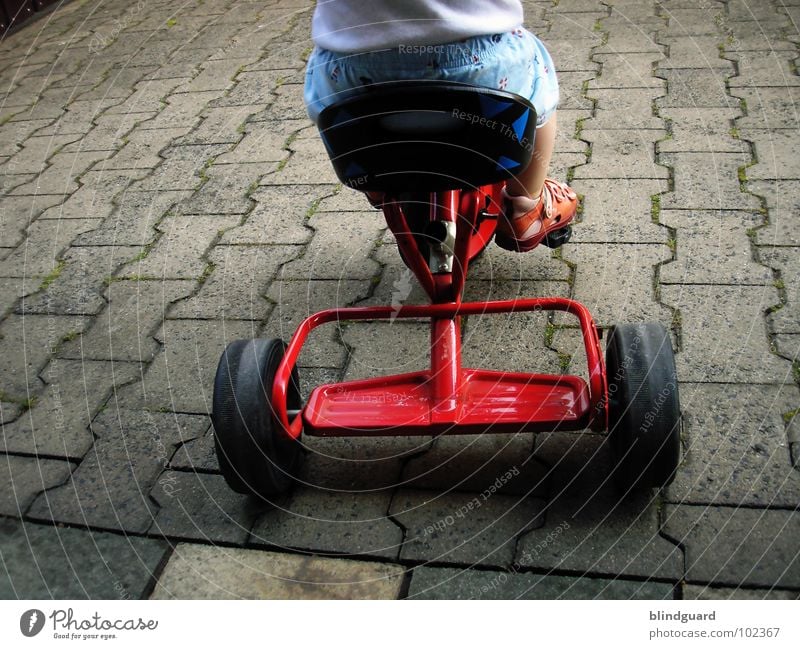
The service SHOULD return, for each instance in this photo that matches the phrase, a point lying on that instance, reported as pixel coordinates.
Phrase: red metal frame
(448, 398)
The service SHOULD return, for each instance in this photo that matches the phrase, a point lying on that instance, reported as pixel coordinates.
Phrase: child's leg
(530, 182)
(534, 204)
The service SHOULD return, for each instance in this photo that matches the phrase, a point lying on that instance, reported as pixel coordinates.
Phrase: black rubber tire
(255, 457)
(558, 238)
(644, 406)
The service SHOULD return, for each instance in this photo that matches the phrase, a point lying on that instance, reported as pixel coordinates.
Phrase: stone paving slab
(110, 487)
(712, 247)
(181, 376)
(204, 572)
(201, 506)
(768, 108)
(26, 344)
(702, 129)
(23, 478)
(614, 282)
(235, 287)
(737, 547)
(332, 522)
(691, 591)
(726, 322)
(58, 422)
(736, 449)
(782, 198)
(458, 584)
(693, 189)
(464, 528)
(124, 330)
(589, 527)
(46, 562)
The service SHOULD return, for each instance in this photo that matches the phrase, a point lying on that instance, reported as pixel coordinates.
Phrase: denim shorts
(516, 62)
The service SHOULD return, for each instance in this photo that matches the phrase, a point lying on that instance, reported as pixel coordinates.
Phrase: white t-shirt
(367, 25)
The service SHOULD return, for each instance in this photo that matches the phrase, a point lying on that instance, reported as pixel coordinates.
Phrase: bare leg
(530, 182)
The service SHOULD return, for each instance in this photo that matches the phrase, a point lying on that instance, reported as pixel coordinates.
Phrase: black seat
(427, 136)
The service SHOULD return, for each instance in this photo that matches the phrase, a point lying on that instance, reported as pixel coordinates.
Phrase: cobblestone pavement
(163, 193)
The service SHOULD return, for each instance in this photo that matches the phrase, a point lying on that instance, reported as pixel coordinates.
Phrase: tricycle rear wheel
(255, 455)
(643, 406)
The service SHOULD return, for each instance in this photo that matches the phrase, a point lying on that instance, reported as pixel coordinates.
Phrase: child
(478, 42)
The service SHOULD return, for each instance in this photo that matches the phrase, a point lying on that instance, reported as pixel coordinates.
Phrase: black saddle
(423, 136)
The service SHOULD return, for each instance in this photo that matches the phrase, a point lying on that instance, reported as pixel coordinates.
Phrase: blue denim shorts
(516, 61)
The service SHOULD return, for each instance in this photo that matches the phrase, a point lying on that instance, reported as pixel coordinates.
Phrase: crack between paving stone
(778, 282)
(676, 320)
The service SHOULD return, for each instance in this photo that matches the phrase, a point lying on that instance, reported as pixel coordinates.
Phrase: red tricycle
(435, 156)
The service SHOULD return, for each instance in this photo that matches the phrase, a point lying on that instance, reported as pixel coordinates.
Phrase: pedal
(558, 238)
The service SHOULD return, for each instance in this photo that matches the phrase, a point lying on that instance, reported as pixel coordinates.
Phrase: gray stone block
(61, 175)
(38, 255)
(457, 584)
(79, 287)
(228, 188)
(590, 527)
(26, 344)
(133, 219)
(19, 212)
(110, 487)
(695, 130)
(775, 153)
(619, 154)
(24, 478)
(771, 69)
(340, 248)
(615, 282)
(97, 196)
(142, 147)
(236, 287)
(346, 523)
(220, 125)
(196, 455)
(620, 211)
(737, 547)
(181, 169)
(724, 335)
(782, 198)
(628, 108)
(58, 423)
(123, 330)
(464, 528)
(181, 377)
(205, 572)
(712, 247)
(736, 450)
(279, 217)
(768, 108)
(359, 463)
(46, 562)
(627, 70)
(476, 463)
(696, 88)
(202, 506)
(390, 347)
(696, 188)
(179, 252)
(785, 261)
(694, 52)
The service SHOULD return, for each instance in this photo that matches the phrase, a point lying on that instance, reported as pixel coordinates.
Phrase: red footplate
(487, 401)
